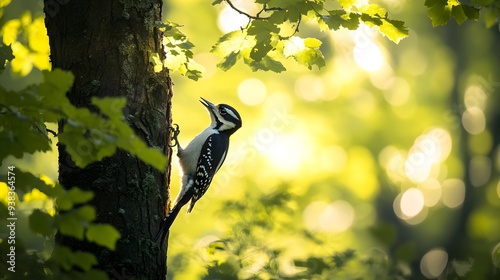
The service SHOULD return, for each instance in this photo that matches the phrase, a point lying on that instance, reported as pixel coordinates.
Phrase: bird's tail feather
(184, 197)
(167, 222)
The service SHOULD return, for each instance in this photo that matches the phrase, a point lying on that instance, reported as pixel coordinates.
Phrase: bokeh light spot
(475, 97)
(473, 120)
(393, 160)
(337, 216)
(480, 170)
(283, 154)
(433, 263)
(397, 91)
(412, 202)
(230, 20)
(495, 255)
(498, 189)
(309, 87)
(428, 149)
(333, 158)
(311, 214)
(368, 56)
(453, 192)
(432, 191)
(252, 91)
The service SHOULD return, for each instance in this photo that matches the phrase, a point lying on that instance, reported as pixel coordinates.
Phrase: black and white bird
(201, 159)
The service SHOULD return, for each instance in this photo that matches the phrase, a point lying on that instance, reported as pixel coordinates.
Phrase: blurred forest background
(382, 164)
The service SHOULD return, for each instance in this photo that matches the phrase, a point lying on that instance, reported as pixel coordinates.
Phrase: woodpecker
(201, 159)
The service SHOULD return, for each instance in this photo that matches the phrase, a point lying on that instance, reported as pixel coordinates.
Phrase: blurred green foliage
(32, 101)
(345, 141)
(359, 170)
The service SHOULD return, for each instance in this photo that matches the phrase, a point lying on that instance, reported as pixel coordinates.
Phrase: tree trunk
(107, 45)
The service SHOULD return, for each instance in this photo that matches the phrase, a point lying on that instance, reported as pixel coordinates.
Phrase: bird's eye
(222, 111)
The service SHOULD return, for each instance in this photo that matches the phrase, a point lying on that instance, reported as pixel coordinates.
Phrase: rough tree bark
(107, 45)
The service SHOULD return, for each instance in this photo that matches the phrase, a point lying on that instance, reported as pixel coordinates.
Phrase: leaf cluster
(74, 219)
(178, 53)
(272, 34)
(26, 113)
(87, 136)
(441, 11)
(248, 252)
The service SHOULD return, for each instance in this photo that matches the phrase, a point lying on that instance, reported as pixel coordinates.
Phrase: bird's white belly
(188, 158)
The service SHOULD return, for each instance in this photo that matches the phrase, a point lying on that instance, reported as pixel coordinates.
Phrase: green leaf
(228, 61)
(309, 7)
(262, 28)
(78, 196)
(347, 3)
(374, 10)
(296, 48)
(312, 43)
(5, 55)
(86, 213)
(439, 12)
(67, 258)
(104, 235)
(179, 57)
(111, 106)
(232, 42)
(340, 259)
(261, 49)
(95, 274)
(191, 70)
(394, 30)
(490, 17)
(63, 256)
(263, 32)
(22, 135)
(41, 222)
(314, 265)
(471, 12)
(151, 156)
(67, 200)
(277, 17)
(282, 3)
(69, 224)
(458, 14)
(84, 260)
(483, 3)
(291, 15)
(371, 20)
(267, 64)
(310, 57)
(32, 182)
(339, 18)
(54, 87)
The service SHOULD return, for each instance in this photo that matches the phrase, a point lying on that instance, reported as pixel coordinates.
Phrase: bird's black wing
(212, 155)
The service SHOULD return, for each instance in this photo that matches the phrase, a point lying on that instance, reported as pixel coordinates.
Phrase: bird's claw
(174, 132)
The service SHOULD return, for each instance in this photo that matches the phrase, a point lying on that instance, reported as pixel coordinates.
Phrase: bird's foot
(174, 132)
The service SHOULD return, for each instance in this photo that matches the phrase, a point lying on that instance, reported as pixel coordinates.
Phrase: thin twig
(244, 13)
(51, 132)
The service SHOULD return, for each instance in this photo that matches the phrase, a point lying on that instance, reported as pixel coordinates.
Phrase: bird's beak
(210, 106)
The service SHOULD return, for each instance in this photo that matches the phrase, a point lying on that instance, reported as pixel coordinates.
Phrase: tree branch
(247, 14)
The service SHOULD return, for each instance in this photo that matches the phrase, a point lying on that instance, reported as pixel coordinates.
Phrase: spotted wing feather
(213, 153)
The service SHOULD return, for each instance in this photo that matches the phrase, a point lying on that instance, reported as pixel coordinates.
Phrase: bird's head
(224, 117)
